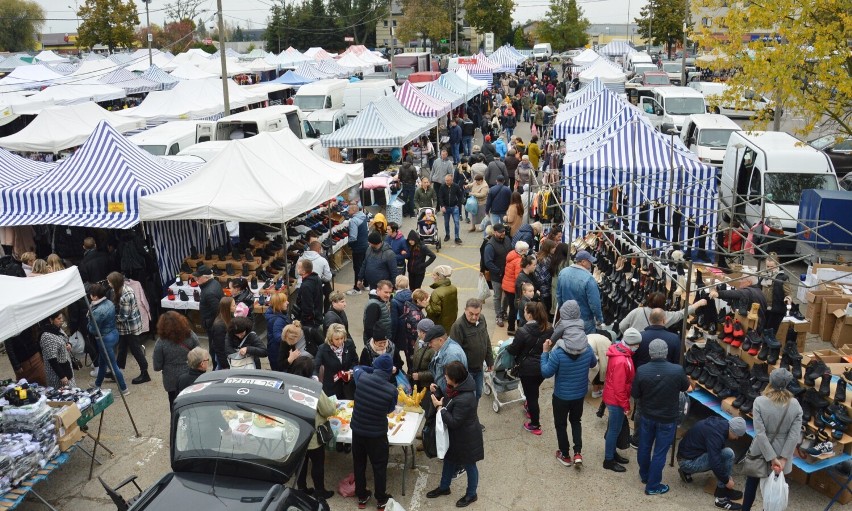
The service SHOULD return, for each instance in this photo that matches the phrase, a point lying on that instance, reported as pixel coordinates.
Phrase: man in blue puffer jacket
(397, 242)
(570, 362)
(375, 398)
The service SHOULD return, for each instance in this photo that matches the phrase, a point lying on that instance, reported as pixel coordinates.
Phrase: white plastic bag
(483, 292)
(393, 505)
(442, 436)
(775, 491)
(78, 344)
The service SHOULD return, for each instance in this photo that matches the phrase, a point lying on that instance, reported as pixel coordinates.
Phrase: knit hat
(374, 238)
(737, 425)
(379, 333)
(443, 270)
(425, 324)
(631, 337)
(525, 157)
(658, 349)
(383, 363)
(780, 378)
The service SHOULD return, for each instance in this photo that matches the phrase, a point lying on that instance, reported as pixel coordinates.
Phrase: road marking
(463, 264)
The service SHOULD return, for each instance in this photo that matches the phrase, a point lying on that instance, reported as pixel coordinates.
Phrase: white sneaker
(597, 393)
(352, 292)
(94, 372)
(143, 348)
(125, 392)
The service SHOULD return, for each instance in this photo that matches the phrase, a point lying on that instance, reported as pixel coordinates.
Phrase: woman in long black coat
(458, 411)
(419, 258)
(334, 362)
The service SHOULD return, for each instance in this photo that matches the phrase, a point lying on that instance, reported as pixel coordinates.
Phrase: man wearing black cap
(576, 283)
(375, 398)
(211, 293)
(379, 263)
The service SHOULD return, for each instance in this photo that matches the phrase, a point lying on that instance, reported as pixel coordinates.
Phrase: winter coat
(512, 163)
(420, 364)
(475, 341)
(571, 370)
(375, 398)
(498, 200)
(208, 306)
(449, 352)
(514, 219)
(524, 233)
(513, 268)
(534, 152)
(358, 232)
(767, 420)
(170, 358)
(95, 266)
(420, 256)
(408, 174)
(460, 417)
(489, 151)
(450, 196)
(369, 355)
(397, 303)
(494, 256)
(441, 168)
(638, 318)
(327, 365)
(528, 344)
(398, 244)
(577, 283)
(309, 299)
(600, 344)
(320, 264)
(377, 314)
(455, 134)
(501, 148)
(103, 314)
(275, 323)
(286, 349)
(379, 264)
(495, 169)
(255, 346)
(425, 198)
(544, 277)
(219, 343)
(326, 407)
(525, 170)
(619, 376)
(524, 278)
(188, 378)
(480, 191)
(443, 306)
(333, 316)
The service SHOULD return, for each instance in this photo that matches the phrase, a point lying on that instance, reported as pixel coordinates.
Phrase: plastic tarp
(419, 103)
(26, 301)
(98, 186)
(261, 189)
(192, 72)
(193, 99)
(75, 93)
(63, 127)
(382, 123)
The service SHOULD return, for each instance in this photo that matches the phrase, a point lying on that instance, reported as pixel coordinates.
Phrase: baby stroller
(499, 381)
(429, 239)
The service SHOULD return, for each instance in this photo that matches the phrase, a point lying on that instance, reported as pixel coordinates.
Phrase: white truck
(667, 107)
(542, 51)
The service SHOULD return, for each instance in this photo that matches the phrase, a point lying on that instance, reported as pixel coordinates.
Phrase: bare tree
(183, 9)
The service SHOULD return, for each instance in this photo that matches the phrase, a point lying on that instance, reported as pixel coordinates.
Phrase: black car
(237, 437)
(839, 150)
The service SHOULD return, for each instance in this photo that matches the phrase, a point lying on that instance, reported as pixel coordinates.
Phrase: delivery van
(764, 174)
(542, 51)
(170, 138)
(636, 59)
(707, 136)
(321, 94)
(251, 122)
(359, 94)
(667, 107)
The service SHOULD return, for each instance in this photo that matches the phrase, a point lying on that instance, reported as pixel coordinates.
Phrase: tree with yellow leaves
(798, 53)
(424, 19)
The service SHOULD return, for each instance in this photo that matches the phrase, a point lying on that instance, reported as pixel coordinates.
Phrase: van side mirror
(658, 111)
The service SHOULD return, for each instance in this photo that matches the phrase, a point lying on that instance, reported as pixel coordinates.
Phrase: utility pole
(222, 58)
(150, 35)
(390, 10)
(683, 55)
(456, 24)
(650, 23)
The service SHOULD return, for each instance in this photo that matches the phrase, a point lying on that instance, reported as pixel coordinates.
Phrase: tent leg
(115, 369)
(683, 329)
(286, 285)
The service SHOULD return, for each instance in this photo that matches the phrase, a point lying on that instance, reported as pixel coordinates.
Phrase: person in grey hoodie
(569, 362)
(440, 168)
(321, 266)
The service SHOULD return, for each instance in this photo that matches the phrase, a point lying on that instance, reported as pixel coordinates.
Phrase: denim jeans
(616, 418)
(467, 145)
(497, 288)
(455, 149)
(702, 464)
(590, 326)
(107, 360)
(478, 378)
(657, 437)
(509, 132)
(563, 413)
(449, 471)
(454, 213)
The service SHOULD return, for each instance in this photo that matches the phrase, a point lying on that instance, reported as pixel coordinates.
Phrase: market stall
(420, 103)
(507, 58)
(157, 75)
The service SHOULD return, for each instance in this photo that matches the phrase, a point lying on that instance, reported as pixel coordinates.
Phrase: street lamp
(150, 35)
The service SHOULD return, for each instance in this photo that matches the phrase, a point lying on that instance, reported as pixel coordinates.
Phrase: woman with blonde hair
(54, 263)
(27, 260)
(219, 332)
(276, 319)
(777, 431)
(335, 359)
(39, 268)
(293, 345)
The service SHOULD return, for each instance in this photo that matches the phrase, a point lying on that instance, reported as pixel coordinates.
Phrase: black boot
(796, 369)
(677, 220)
(815, 369)
(825, 384)
(142, 378)
(208, 253)
(193, 252)
(840, 391)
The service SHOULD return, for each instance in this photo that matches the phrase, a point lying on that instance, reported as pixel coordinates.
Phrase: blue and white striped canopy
(438, 91)
(155, 74)
(130, 82)
(99, 186)
(331, 67)
(586, 115)
(456, 84)
(382, 123)
(16, 169)
(309, 70)
(506, 59)
(617, 48)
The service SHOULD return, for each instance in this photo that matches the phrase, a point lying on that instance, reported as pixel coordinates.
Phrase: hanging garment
(661, 221)
(644, 217)
(677, 220)
(691, 232)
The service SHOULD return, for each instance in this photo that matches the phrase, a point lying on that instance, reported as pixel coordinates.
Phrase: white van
(667, 107)
(634, 59)
(746, 107)
(707, 136)
(251, 122)
(359, 94)
(170, 138)
(327, 121)
(321, 94)
(542, 51)
(764, 173)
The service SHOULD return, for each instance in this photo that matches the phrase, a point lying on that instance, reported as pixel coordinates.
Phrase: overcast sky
(253, 13)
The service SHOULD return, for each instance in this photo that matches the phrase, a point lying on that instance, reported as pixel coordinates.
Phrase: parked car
(839, 149)
(649, 79)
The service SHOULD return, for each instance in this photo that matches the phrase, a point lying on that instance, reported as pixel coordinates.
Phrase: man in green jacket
(471, 332)
(443, 305)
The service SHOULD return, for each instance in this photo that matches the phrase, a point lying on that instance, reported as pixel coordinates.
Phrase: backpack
(411, 315)
(10, 267)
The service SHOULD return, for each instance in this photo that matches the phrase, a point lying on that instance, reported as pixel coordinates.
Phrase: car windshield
(656, 79)
(403, 72)
(787, 188)
(156, 150)
(230, 431)
(684, 106)
(324, 127)
(642, 68)
(671, 67)
(714, 138)
(309, 102)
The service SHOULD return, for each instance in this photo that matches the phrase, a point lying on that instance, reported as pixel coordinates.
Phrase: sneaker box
(822, 482)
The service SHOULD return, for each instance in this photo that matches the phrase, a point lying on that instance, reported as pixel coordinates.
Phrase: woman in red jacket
(616, 394)
(510, 277)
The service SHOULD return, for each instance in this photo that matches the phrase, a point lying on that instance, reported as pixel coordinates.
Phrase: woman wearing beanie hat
(777, 429)
(616, 394)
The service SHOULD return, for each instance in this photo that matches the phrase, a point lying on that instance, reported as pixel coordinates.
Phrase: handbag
(237, 361)
(755, 465)
(324, 433)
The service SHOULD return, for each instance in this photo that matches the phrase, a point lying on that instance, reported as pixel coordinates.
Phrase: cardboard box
(71, 437)
(814, 311)
(829, 305)
(66, 414)
(823, 483)
(842, 332)
(797, 475)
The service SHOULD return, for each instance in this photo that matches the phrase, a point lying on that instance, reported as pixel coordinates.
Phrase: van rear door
(203, 132)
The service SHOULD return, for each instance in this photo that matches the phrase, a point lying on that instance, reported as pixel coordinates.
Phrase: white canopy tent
(587, 56)
(605, 71)
(26, 301)
(161, 60)
(253, 185)
(63, 127)
(234, 67)
(31, 77)
(192, 72)
(74, 93)
(90, 71)
(49, 56)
